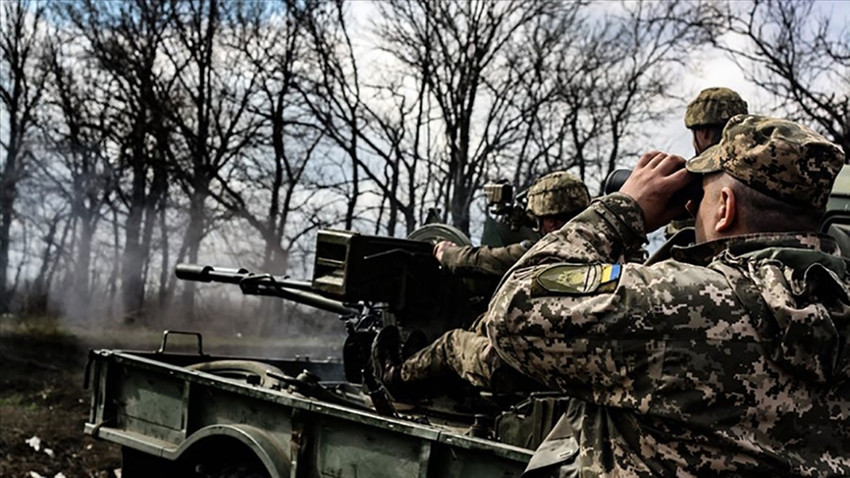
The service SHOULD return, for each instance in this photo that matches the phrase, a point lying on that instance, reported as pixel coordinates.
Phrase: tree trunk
(79, 307)
(8, 191)
(194, 234)
(132, 286)
(163, 245)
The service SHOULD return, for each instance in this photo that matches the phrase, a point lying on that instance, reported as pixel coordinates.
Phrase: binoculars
(691, 192)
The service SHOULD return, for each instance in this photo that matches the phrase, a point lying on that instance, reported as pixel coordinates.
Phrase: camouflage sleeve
(613, 347)
(483, 261)
(608, 228)
(607, 343)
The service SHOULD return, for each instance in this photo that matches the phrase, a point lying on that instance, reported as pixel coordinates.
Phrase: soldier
(708, 113)
(733, 358)
(706, 116)
(553, 200)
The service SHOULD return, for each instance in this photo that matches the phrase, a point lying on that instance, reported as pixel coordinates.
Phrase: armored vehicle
(206, 415)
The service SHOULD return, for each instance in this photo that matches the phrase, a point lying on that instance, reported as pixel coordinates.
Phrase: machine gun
(217, 415)
(370, 281)
(509, 209)
(507, 221)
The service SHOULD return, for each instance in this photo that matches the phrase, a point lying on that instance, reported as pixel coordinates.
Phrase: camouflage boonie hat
(557, 193)
(780, 158)
(714, 106)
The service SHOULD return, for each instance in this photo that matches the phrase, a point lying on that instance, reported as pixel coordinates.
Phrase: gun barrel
(310, 298)
(199, 273)
(263, 284)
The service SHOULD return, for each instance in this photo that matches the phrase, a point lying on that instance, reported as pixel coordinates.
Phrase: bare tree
(332, 91)
(651, 43)
(558, 71)
(21, 84)
(487, 88)
(372, 120)
(284, 144)
(72, 165)
(798, 55)
(460, 49)
(216, 86)
(616, 73)
(124, 40)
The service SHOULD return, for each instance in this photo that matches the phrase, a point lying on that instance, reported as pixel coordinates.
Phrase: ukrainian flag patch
(610, 272)
(577, 279)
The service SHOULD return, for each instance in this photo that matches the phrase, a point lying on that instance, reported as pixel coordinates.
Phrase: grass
(50, 329)
(15, 400)
(43, 327)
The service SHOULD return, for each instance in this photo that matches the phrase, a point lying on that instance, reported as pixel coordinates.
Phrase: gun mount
(507, 222)
(370, 281)
(210, 416)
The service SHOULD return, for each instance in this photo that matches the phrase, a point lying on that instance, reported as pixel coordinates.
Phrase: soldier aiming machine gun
(371, 282)
(202, 415)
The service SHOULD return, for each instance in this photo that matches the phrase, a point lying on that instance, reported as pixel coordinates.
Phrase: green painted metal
(165, 410)
(498, 234)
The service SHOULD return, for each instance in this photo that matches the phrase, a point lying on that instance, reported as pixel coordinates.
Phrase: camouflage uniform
(468, 353)
(465, 353)
(484, 260)
(732, 358)
(555, 194)
(712, 107)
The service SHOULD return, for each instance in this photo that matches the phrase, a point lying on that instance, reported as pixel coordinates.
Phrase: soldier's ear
(726, 212)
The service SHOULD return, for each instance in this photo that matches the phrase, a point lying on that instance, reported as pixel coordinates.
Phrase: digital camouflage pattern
(464, 353)
(777, 157)
(714, 106)
(460, 353)
(558, 193)
(468, 352)
(732, 359)
(677, 225)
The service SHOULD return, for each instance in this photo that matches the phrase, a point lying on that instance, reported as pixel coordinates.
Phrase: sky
(709, 69)
(717, 69)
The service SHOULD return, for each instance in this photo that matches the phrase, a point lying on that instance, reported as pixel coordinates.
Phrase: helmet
(558, 193)
(714, 106)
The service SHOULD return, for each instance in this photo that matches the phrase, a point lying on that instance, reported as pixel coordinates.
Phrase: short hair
(716, 131)
(762, 213)
(563, 217)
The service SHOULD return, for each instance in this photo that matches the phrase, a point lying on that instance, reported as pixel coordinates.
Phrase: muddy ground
(43, 404)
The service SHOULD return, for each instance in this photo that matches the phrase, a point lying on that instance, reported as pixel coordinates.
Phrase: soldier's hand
(441, 247)
(654, 180)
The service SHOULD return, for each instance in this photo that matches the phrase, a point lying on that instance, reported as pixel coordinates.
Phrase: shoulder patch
(578, 279)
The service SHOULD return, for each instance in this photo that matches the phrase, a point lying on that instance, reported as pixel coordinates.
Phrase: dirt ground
(43, 406)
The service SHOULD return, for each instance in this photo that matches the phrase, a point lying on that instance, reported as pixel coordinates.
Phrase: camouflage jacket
(484, 260)
(730, 358)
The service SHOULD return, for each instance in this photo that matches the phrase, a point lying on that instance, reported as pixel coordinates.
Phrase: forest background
(135, 135)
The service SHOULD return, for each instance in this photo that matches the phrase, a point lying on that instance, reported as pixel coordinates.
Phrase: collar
(704, 253)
